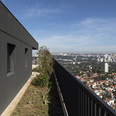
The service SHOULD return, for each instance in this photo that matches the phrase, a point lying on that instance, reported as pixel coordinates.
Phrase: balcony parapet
(78, 98)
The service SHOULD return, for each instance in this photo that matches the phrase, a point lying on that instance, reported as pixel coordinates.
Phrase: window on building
(26, 60)
(10, 62)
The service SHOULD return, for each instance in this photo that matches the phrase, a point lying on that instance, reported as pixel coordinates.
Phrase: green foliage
(114, 92)
(35, 70)
(45, 67)
(45, 60)
(45, 98)
(115, 101)
(39, 101)
(106, 96)
(85, 82)
(41, 80)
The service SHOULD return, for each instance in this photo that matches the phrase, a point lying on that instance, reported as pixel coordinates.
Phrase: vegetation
(40, 101)
(41, 97)
(35, 70)
(45, 67)
(115, 101)
(41, 80)
(104, 77)
(45, 60)
(106, 96)
(114, 92)
(97, 67)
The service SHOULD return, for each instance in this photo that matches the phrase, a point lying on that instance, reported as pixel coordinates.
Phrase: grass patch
(39, 101)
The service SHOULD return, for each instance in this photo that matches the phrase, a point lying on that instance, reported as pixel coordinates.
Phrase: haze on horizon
(69, 25)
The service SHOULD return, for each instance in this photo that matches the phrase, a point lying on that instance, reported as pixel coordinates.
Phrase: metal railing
(78, 98)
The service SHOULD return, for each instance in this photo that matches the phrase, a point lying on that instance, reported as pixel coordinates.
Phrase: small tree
(114, 92)
(45, 60)
(45, 67)
(115, 101)
(41, 80)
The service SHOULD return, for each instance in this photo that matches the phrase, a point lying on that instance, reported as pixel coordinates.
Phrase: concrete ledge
(8, 111)
(34, 66)
(34, 74)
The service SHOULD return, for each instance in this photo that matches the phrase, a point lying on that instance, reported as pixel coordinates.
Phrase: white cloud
(46, 9)
(88, 35)
(41, 12)
(38, 11)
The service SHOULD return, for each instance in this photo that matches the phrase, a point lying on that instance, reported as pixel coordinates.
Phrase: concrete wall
(9, 24)
(12, 32)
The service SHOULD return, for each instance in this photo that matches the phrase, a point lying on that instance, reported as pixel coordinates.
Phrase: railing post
(95, 109)
(79, 101)
(85, 104)
(88, 106)
(100, 111)
(91, 107)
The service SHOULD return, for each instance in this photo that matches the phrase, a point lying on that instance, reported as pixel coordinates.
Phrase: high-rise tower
(106, 67)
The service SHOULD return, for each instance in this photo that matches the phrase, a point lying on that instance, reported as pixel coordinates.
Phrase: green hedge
(41, 80)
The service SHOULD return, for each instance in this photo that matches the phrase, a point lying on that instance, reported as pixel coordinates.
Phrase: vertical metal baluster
(91, 107)
(95, 109)
(105, 114)
(99, 111)
(81, 102)
(85, 104)
(77, 100)
(88, 105)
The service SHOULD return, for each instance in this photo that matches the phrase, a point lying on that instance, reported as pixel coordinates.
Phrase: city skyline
(68, 26)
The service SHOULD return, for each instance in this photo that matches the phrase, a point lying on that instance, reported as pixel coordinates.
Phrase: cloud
(98, 29)
(44, 8)
(62, 32)
(40, 12)
(89, 35)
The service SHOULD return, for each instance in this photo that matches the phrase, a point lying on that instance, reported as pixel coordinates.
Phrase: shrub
(41, 80)
(35, 70)
(45, 67)
(45, 60)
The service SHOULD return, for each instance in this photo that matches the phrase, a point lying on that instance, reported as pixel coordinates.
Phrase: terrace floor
(39, 101)
(16, 100)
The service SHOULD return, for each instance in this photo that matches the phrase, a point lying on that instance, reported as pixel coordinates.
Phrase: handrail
(78, 98)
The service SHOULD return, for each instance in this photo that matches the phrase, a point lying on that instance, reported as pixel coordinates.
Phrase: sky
(81, 26)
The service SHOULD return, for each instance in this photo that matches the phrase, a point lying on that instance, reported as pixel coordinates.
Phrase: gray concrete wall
(11, 31)
(9, 24)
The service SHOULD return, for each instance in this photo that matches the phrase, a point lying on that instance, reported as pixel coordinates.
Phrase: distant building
(109, 59)
(106, 67)
(97, 59)
(102, 59)
(73, 62)
(89, 67)
(35, 59)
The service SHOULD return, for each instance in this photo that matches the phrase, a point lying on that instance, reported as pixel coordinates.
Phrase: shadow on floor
(55, 108)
